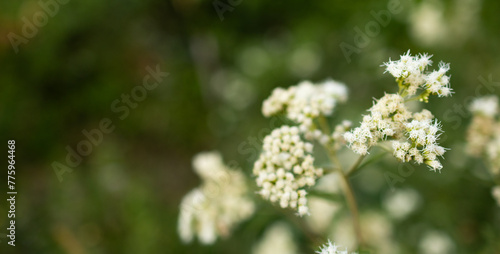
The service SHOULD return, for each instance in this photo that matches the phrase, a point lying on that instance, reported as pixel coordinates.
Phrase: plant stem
(346, 186)
(349, 195)
(351, 202)
(355, 165)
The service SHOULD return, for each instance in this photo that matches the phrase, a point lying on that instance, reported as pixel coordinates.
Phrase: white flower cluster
(305, 102)
(483, 136)
(387, 119)
(410, 71)
(332, 248)
(214, 208)
(285, 168)
(423, 147)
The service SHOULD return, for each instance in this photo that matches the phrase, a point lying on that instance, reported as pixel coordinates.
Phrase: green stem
(351, 202)
(355, 165)
(372, 159)
(349, 196)
(346, 186)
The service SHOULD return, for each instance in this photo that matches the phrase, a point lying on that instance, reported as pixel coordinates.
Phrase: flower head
(410, 72)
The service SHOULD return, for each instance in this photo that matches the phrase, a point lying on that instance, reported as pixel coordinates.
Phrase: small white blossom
(218, 205)
(285, 168)
(332, 248)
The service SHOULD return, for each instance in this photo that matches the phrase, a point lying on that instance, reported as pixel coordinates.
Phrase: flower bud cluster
(285, 168)
(422, 144)
(306, 102)
(218, 205)
(410, 73)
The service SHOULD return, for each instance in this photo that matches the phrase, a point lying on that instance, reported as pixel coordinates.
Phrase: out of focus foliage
(124, 196)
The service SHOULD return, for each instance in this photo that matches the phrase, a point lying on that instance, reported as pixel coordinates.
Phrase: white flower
(218, 205)
(411, 72)
(305, 102)
(487, 106)
(285, 168)
(332, 248)
(412, 140)
(422, 145)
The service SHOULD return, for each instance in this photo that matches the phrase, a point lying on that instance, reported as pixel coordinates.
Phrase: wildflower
(214, 208)
(306, 102)
(285, 168)
(414, 136)
(332, 248)
(423, 147)
(410, 73)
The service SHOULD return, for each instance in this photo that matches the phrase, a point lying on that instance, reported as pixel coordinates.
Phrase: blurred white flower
(401, 203)
(277, 239)
(483, 134)
(487, 105)
(285, 168)
(436, 242)
(306, 102)
(332, 248)
(218, 205)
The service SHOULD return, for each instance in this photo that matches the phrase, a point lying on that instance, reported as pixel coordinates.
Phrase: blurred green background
(124, 196)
